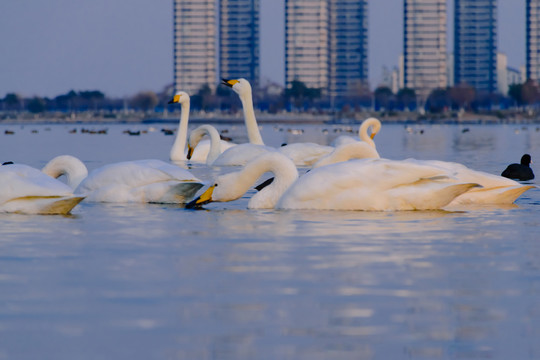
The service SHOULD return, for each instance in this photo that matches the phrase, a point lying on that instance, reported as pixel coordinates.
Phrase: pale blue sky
(124, 46)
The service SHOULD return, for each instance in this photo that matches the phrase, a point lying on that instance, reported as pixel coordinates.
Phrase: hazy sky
(124, 46)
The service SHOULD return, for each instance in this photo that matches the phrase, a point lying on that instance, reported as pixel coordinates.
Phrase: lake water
(161, 282)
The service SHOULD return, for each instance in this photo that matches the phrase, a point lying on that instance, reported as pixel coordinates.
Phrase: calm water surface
(161, 282)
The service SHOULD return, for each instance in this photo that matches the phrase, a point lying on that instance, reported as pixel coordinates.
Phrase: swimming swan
(178, 150)
(370, 123)
(494, 189)
(369, 184)
(142, 181)
(26, 190)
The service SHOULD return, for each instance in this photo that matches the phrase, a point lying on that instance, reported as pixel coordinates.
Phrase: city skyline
(121, 48)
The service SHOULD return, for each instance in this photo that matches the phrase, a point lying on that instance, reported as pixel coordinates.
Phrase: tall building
(348, 43)
(306, 42)
(195, 44)
(475, 43)
(239, 39)
(424, 46)
(326, 45)
(533, 39)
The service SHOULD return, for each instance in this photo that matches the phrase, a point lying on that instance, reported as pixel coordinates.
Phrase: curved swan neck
(252, 128)
(375, 126)
(179, 145)
(74, 169)
(215, 141)
(285, 174)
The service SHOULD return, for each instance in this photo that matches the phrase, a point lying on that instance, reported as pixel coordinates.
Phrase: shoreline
(263, 118)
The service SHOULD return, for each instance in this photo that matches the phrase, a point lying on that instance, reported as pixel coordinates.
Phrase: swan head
(225, 188)
(240, 86)
(374, 124)
(180, 97)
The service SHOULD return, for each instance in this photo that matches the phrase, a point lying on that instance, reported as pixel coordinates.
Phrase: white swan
(370, 184)
(237, 155)
(143, 181)
(178, 150)
(26, 190)
(370, 123)
(494, 189)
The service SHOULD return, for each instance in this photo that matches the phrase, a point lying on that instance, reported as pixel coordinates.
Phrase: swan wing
(372, 184)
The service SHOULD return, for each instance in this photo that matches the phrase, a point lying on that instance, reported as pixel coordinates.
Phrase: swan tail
(62, 206)
(42, 205)
(493, 195)
(445, 195)
(181, 192)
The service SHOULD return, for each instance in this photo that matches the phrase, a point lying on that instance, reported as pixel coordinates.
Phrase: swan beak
(189, 152)
(205, 198)
(229, 83)
(175, 99)
(372, 135)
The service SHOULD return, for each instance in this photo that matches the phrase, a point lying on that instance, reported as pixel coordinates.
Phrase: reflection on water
(118, 281)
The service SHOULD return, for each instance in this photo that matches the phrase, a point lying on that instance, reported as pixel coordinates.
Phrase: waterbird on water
(520, 171)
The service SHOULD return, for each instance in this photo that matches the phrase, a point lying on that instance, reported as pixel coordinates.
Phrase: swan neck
(74, 170)
(252, 127)
(285, 174)
(179, 145)
(215, 144)
(363, 132)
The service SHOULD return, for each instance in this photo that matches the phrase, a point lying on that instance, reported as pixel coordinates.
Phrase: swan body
(178, 150)
(241, 154)
(371, 184)
(142, 181)
(370, 123)
(494, 189)
(27, 190)
(305, 154)
(348, 151)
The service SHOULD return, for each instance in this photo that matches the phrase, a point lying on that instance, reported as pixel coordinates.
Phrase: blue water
(161, 282)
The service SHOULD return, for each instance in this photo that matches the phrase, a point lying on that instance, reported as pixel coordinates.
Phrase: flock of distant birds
(348, 175)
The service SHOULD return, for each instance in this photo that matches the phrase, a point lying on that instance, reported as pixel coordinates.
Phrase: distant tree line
(298, 97)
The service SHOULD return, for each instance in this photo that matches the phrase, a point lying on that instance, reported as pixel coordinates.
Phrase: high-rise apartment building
(475, 43)
(194, 44)
(239, 39)
(533, 39)
(326, 44)
(348, 43)
(306, 42)
(424, 46)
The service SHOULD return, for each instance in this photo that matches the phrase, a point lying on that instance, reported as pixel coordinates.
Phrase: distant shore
(495, 117)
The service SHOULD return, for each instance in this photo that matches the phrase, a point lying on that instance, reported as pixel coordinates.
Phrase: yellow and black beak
(189, 152)
(175, 99)
(229, 83)
(205, 198)
(372, 135)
